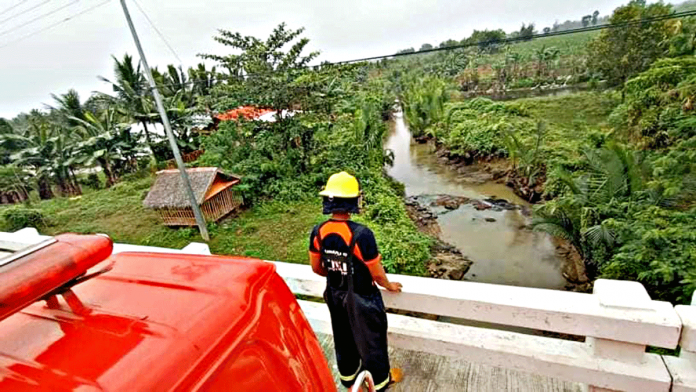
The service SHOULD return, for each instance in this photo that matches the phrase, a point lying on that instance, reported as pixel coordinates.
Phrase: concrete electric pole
(168, 129)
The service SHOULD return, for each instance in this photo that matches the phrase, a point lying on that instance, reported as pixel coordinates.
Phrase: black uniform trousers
(360, 335)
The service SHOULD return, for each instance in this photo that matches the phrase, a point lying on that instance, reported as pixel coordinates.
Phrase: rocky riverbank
(448, 262)
(477, 170)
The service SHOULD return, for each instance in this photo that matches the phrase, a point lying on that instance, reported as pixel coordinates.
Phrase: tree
(619, 53)
(105, 141)
(424, 103)
(263, 74)
(547, 30)
(586, 20)
(406, 51)
(46, 150)
(545, 56)
(68, 106)
(595, 18)
(527, 32)
(583, 215)
(132, 94)
(449, 43)
(425, 47)
(487, 40)
(5, 128)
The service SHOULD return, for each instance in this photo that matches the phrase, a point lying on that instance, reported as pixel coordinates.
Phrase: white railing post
(619, 295)
(683, 368)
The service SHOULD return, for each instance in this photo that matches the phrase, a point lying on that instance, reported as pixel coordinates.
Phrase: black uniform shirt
(336, 236)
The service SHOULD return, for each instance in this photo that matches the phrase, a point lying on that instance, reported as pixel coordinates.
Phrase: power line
(22, 12)
(55, 24)
(158, 32)
(39, 18)
(13, 7)
(677, 15)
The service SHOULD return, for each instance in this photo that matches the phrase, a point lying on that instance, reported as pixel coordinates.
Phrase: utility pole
(168, 129)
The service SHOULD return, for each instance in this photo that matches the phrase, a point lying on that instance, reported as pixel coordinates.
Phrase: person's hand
(394, 287)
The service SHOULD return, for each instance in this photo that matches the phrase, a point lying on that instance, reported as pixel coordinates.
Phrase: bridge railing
(618, 321)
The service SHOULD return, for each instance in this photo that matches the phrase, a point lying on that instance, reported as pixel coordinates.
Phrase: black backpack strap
(351, 254)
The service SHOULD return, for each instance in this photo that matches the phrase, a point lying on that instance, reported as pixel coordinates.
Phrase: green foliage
(19, 217)
(423, 102)
(620, 53)
(15, 184)
(527, 158)
(658, 107)
(263, 74)
(92, 181)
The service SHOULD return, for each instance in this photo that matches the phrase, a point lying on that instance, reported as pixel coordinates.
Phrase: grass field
(570, 119)
(272, 231)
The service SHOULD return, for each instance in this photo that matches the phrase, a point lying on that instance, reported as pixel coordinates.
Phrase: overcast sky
(72, 54)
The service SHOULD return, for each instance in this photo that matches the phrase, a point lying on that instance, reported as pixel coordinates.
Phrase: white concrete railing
(618, 320)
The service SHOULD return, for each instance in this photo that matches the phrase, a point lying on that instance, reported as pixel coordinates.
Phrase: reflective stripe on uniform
(350, 378)
(384, 383)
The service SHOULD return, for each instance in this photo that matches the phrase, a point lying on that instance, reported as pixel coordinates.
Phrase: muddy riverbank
(482, 225)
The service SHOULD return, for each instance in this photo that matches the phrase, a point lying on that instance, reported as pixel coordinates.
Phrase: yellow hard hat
(341, 185)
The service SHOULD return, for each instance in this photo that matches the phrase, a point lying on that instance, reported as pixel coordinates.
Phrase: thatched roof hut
(212, 188)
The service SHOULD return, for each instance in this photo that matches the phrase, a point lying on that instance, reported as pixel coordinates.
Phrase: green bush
(19, 217)
(92, 181)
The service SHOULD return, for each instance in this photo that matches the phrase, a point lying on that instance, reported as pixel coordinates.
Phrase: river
(502, 249)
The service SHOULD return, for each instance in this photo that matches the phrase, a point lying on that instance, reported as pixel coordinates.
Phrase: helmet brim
(328, 193)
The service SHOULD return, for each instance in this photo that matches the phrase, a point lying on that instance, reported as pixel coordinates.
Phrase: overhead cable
(676, 15)
(55, 24)
(38, 18)
(13, 7)
(22, 12)
(158, 32)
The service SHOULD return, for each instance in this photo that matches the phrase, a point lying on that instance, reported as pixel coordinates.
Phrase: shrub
(92, 181)
(19, 217)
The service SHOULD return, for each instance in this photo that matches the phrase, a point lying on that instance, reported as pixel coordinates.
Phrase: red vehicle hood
(161, 322)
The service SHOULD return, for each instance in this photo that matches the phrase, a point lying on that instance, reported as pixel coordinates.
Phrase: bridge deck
(428, 372)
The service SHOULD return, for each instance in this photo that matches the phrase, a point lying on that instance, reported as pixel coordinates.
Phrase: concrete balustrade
(618, 320)
(647, 322)
(683, 368)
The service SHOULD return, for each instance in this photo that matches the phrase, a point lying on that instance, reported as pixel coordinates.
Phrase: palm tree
(68, 105)
(613, 174)
(132, 93)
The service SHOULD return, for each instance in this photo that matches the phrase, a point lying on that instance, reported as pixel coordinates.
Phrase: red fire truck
(75, 317)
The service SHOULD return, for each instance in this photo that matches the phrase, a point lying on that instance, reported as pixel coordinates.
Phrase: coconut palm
(132, 93)
(68, 105)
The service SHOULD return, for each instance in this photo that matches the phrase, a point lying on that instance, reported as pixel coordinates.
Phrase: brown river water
(503, 251)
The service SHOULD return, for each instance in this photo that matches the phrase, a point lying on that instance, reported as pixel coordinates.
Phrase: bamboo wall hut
(214, 191)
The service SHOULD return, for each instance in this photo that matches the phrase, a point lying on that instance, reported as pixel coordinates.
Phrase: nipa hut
(214, 191)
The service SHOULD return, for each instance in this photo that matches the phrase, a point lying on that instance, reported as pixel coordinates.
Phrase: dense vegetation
(613, 171)
(327, 119)
(616, 168)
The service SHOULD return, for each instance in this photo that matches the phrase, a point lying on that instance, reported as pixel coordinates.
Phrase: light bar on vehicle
(32, 273)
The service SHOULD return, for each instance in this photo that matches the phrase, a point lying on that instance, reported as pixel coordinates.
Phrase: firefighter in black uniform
(346, 253)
